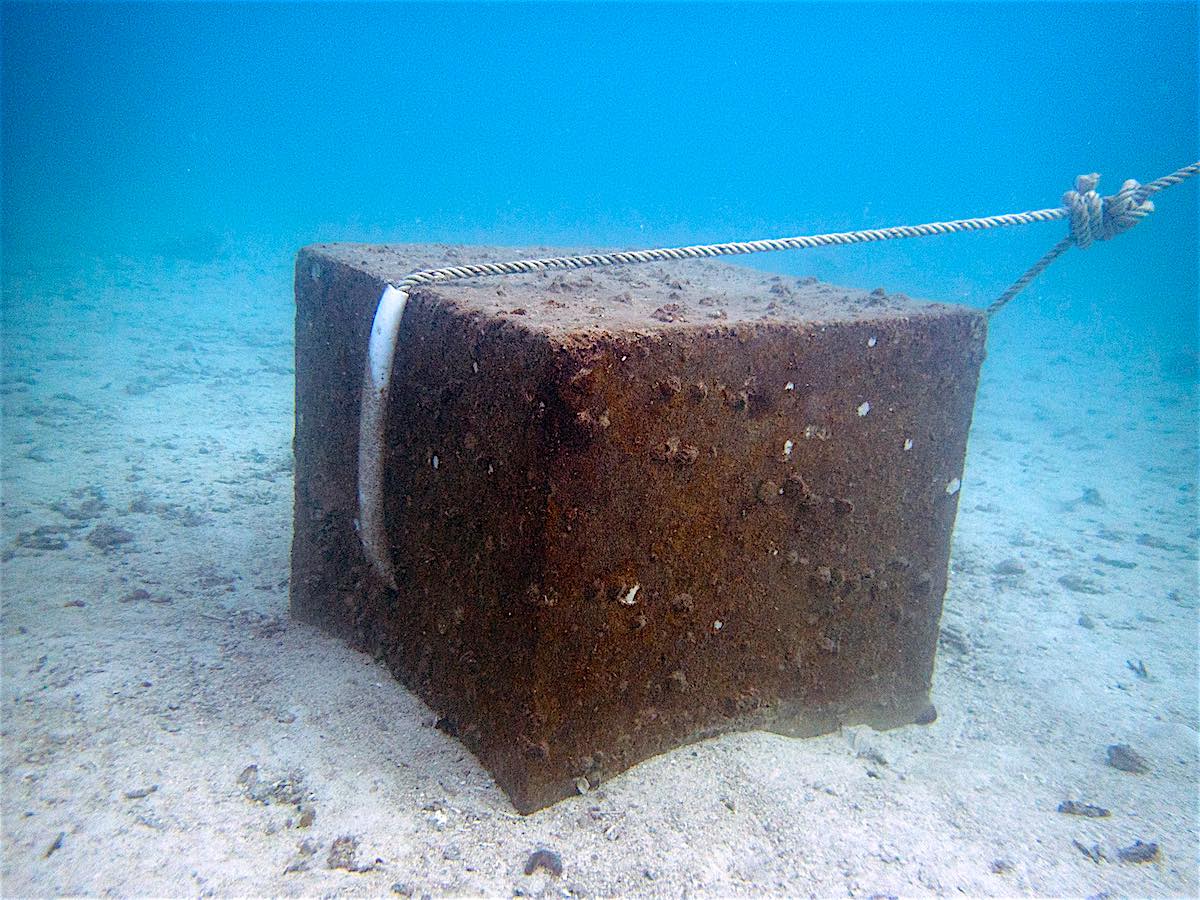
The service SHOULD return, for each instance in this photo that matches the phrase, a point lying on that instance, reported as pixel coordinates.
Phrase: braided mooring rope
(1092, 218)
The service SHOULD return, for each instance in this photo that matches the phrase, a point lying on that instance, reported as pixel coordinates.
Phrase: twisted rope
(698, 251)
(1092, 218)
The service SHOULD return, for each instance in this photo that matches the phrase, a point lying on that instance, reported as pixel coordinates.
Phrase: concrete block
(631, 508)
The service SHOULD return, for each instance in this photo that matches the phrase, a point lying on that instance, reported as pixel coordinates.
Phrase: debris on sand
(1138, 668)
(55, 845)
(542, 858)
(302, 861)
(288, 790)
(91, 503)
(1125, 758)
(45, 537)
(1138, 852)
(343, 854)
(1094, 853)
(108, 537)
(1090, 810)
(1080, 584)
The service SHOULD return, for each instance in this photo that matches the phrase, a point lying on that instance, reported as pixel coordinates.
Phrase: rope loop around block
(1092, 218)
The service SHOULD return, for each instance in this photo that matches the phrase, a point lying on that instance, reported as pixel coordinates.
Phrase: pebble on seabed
(542, 858)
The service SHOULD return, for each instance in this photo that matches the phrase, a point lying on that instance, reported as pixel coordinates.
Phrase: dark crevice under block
(631, 508)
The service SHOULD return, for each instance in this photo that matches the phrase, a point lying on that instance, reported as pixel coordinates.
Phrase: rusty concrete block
(632, 508)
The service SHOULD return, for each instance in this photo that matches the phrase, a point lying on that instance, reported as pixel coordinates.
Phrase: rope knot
(1096, 218)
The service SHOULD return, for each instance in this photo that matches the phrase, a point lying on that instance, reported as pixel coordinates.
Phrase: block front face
(788, 545)
(632, 509)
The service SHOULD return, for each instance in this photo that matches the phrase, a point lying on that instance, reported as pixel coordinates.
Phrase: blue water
(196, 128)
(161, 164)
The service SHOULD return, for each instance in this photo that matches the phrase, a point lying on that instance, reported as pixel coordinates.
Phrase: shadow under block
(631, 508)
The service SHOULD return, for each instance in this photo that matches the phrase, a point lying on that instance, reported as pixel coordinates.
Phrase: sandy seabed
(168, 730)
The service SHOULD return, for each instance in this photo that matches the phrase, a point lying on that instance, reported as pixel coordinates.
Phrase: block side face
(778, 496)
(465, 498)
(334, 307)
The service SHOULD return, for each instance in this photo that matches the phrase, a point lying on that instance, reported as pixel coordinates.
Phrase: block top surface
(639, 297)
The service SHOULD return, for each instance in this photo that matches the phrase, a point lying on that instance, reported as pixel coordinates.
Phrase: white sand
(185, 688)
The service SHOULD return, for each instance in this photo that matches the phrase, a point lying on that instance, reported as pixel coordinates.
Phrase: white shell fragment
(952, 486)
(871, 342)
(435, 461)
(908, 443)
(630, 598)
(790, 386)
(787, 447)
(864, 408)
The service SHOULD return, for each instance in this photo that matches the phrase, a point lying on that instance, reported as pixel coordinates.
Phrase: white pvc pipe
(372, 423)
